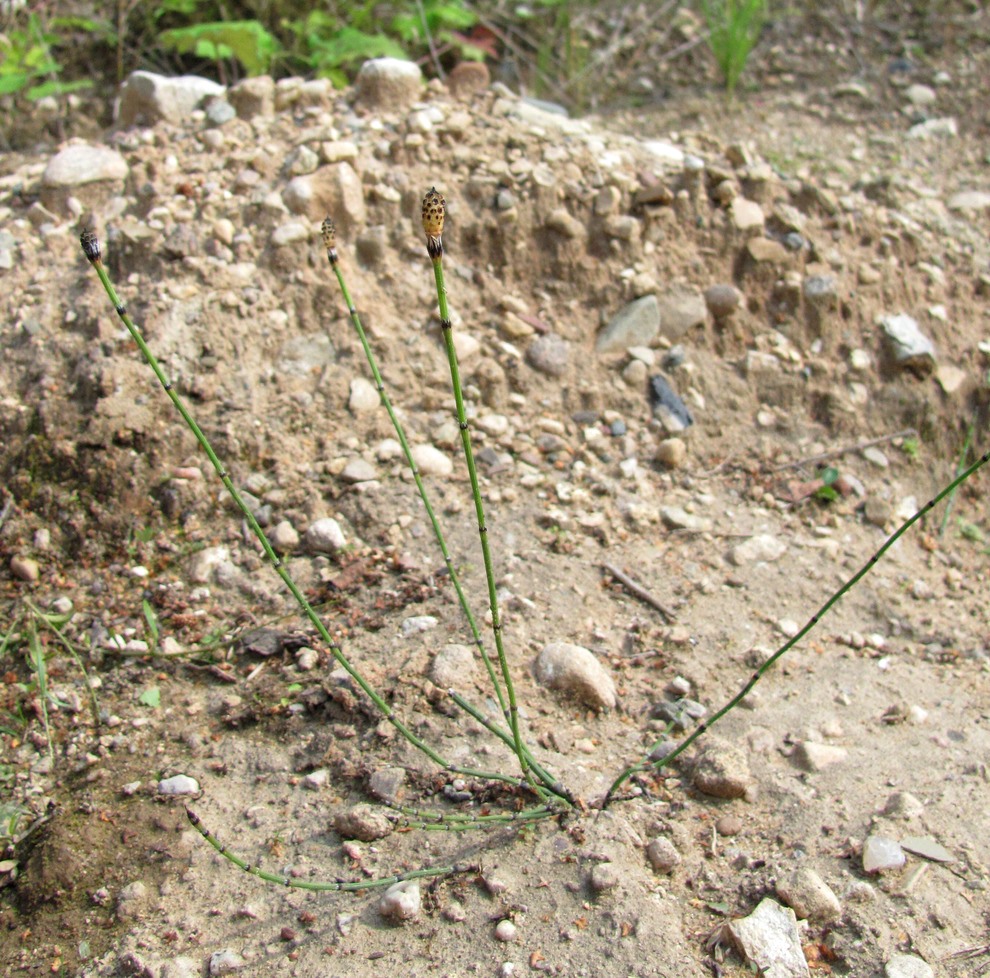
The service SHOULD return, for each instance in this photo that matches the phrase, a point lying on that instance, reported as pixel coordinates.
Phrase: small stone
(729, 825)
(179, 784)
(663, 855)
(678, 518)
(362, 822)
(131, 899)
(575, 670)
(253, 97)
(942, 128)
(721, 770)
(810, 897)
(636, 324)
(505, 931)
(549, 354)
(290, 233)
(881, 854)
(722, 300)
(316, 780)
(746, 215)
(25, 569)
(325, 537)
(431, 461)
(224, 962)
(907, 966)
(768, 939)
(467, 78)
(920, 96)
(928, 848)
(763, 548)
(364, 396)
(453, 666)
(817, 757)
(388, 784)
(604, 877)
(358, 470)
(668, 408)
(389, 84)
(906, 344)
(307, 659)
(903, 805)
(671, 453)
(417, 624)
(680, 311)
(283, 537)
(401, 901)
(565, 224)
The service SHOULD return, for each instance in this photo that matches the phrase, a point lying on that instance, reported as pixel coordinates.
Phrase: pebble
(179, 784)
(316, 780)
(389, 84)
(417, 624)
(920, 95)
(768, 939)
(283, 537)
(401, 901)
(604, 877)
(452, 666)
(358, 470)
(505, 931)
(680, 311)
(364, 396)
(722, 300)
(549, 354)
(575, 670)
(325, 536)
(290, 233)
(362, 822)
(721, 770)
(337, 190)
(671, 452)
(431, 461)
(928, 848)
(635, 324)
(131, 899)
(746, 215)
(565, 224)
(388, 784)
(907, 966)
(906, 344)
(817, 757)
(729, 825)
(810, 896)
(663, 855)
(82, 163)
(25, 569)
(678, 518)
(225, 961)
(881, 854)
(667, 407)
(307, 659)
(253, 97)
(763, 547)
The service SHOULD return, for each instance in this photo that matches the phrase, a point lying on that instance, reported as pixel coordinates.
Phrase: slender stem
(436, 255)
(787, 646)
(336, 885)
(328, 231)
(91, 248)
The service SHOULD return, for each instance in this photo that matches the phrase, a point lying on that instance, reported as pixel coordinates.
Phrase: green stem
(787, 646)
(92, 249)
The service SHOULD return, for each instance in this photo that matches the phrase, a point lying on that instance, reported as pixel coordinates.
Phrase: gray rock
(565, 224)
(364, 396)
(920, 96)
(401, 901)
(224, 962)
(389, 84)
(680, 311)
(722, 300)
(678, 518)
(219, 111)
(667, 406)
(746, 215)
(946, 127)
(290, 233)
(358, 470)
(927, 847)
(182, 966)
(604, 877)
(431, 461)
(821, 290)
(362, 822)
(575, 670)
(764, 547)
(147, 97)
(769, 939)
(179, 784)
(969, 200)
(721, 770)
(417, 624)
(549, 354)
(663, 855)
(881, 854)
(817, 757)
(452, 666)
(906, 344)
(253, 97)
(810, 897)
(132, 899)
(298, 194)
(903, 805)
(325, 537)
(907, 966)
(636, 324)
(82, 163)
(388, 784)
(283, 537)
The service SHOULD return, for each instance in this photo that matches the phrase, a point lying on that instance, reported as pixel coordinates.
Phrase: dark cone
(90, 245)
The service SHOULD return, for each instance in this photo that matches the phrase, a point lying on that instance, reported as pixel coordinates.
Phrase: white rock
(364, 396)
(290, 233)
(325, 537)
(82, 163)
(810, 896)
(358, 470)
(747, 215)
(505, 930)
(969, 200)
(763, 547)
(907, 966)
(389, 84)
(768, 938)
(418, 624)
(575, 670)
(817, 757)
(224, 962)
(179, 784)
(401, 901)
(881, 854)
(431, 461)
(147, 97)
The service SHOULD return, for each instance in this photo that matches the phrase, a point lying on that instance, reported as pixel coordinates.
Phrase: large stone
(768, 938)
(146, 98)
(389, 84)
(721, 770)
(333, 189)
(253, 97)
(575, 670)
(635, 324)
(681, 310)
(83, 163)
(907, 346)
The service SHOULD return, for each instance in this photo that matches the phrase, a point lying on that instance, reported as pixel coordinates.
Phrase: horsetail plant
(551, 796)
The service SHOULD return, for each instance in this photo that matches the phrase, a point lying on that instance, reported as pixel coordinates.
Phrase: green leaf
(151, 697)
(58, 88)
(245, 40)
(350, 45)
(10, 84)
(829, 475)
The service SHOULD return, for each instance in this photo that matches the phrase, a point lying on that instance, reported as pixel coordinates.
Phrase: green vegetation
(734, 27)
